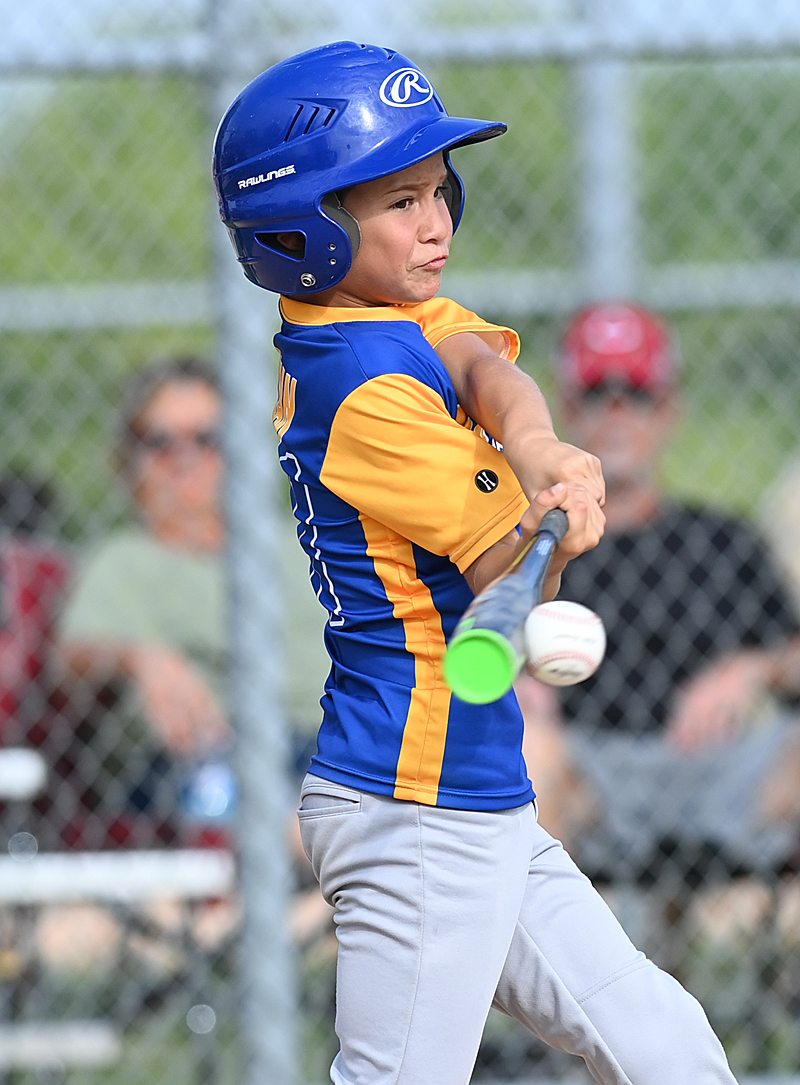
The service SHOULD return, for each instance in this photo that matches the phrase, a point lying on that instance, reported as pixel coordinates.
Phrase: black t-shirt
(674, 595)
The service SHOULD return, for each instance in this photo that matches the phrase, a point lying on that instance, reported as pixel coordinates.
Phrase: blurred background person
(679, 743)
(34, 567)
(147, 610)
(779, 521)
(33, 570)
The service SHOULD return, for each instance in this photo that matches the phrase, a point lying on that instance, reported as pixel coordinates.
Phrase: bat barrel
(485, 653)
(480, 665)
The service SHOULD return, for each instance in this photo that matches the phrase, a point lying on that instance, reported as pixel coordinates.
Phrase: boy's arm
(503, 399)
(586, 521)
(553, 474)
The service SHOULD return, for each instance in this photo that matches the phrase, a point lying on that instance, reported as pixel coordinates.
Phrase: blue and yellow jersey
(396, 493)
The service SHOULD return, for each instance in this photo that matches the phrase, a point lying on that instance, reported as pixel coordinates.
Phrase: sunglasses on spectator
(163, 442)
(604, 391)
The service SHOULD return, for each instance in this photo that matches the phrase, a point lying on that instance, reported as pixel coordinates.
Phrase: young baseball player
(335, 183)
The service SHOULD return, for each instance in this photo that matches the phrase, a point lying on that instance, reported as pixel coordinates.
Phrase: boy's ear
(292, 240)
(453, 193)
(290, 243)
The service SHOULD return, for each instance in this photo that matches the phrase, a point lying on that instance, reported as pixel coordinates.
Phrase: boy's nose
(437, 224)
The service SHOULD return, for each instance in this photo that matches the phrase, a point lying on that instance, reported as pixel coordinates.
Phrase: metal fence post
(607, 197)
(268, 1011)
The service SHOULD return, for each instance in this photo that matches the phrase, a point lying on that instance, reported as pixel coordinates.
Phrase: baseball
(564, 642)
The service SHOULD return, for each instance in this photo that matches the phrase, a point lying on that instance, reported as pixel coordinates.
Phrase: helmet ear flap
(453, 192)
(332, 206)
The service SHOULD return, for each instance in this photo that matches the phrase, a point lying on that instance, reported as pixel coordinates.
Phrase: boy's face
(406, 230)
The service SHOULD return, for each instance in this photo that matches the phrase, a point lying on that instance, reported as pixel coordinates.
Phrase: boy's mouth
(436, 264)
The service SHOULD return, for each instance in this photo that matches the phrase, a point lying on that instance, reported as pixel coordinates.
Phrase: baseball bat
(485, 653)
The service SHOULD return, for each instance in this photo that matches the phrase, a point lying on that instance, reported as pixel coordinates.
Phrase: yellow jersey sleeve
(396, 454)
(440, 318)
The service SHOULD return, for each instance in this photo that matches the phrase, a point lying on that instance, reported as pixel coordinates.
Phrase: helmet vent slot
(288, 135)
(309, 119)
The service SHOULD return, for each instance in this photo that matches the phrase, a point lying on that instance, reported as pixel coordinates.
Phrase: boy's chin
(420, 292)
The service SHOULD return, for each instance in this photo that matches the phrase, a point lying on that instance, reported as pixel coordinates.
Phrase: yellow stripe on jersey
(419, 765)
(387, 438)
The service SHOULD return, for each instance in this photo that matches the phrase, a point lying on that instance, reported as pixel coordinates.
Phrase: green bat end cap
(480, 665)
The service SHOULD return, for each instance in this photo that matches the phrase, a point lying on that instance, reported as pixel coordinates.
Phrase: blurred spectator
(147, 607)
(33, 570)
(779, 521)
(148, 601)
(139, 727)
(679, 742)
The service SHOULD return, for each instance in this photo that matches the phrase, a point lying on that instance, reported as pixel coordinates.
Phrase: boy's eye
(402, 203)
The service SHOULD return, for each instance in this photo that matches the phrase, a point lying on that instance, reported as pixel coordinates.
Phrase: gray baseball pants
(441, 913)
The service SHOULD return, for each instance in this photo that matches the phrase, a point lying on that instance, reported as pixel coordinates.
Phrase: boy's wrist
(529, 439)
(551, 586)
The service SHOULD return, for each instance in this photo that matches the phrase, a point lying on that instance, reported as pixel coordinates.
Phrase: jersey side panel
(484, 742)
(419, 762)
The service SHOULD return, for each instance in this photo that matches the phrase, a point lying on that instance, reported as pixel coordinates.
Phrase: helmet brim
(441, 134)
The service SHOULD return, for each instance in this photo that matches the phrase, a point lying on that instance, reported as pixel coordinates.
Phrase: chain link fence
(652, 154)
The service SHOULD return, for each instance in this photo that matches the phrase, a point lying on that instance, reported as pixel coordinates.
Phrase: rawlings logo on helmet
(284, 171)
(405, 87)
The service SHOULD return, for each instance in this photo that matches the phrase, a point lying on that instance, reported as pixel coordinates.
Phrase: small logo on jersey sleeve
(486, 481)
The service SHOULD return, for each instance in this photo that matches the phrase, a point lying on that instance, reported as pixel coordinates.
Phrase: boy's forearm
(494, 392)
(509, 405)
(499, 558)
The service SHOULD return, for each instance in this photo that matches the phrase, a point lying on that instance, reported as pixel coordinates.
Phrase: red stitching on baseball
(540, 661)
(564, 615)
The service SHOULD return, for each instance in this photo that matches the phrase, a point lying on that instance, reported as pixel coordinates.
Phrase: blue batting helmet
(315, 124)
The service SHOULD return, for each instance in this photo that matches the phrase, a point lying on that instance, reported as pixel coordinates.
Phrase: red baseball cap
(616, 343)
